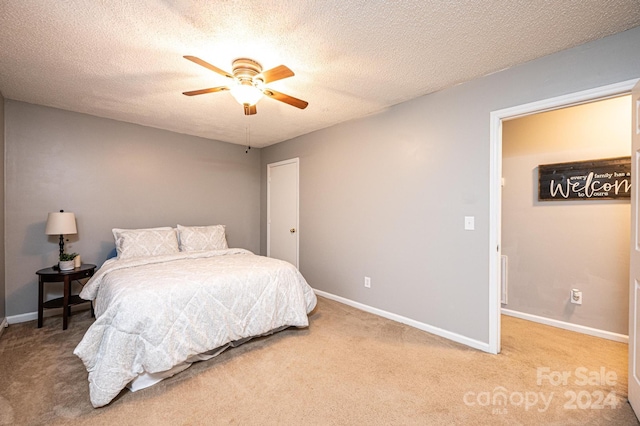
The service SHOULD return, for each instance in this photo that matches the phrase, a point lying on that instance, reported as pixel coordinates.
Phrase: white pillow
(199, 238)
(145, 242)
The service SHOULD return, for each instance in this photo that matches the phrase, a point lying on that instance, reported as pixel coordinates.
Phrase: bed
(176, 295)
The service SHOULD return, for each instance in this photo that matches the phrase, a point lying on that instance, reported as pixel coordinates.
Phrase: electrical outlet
(576, 296)
(469, 223)
(367, 282)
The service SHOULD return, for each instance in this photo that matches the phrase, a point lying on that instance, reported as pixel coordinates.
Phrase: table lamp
(61, 223)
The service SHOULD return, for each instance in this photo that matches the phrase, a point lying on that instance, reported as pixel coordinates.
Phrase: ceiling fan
(249, 82)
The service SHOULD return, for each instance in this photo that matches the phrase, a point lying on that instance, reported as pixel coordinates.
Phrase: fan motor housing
(246, 69)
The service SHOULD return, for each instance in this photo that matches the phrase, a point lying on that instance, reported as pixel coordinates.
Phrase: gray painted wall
(3, 311)
(386, 196)
(559, 245)
(113, 174)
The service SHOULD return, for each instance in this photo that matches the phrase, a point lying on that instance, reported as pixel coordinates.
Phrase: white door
(634, 273)
(282, 210)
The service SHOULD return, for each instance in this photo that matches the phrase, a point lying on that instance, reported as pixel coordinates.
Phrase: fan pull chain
(247, 139)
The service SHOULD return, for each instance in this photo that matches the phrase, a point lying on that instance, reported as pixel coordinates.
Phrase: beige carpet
(348, 368)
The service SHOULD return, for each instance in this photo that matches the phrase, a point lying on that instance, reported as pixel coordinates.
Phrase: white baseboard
(476, 344)
(31, 316)
(4, 324)
(568, 326)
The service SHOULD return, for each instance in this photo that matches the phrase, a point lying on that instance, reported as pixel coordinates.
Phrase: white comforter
(154, 313)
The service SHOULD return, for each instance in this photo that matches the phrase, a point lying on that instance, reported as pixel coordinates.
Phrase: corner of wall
(3, 309)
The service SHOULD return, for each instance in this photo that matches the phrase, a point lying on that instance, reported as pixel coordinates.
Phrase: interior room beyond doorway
(553, 247)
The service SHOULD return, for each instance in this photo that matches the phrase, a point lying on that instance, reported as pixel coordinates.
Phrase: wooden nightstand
(49, 275)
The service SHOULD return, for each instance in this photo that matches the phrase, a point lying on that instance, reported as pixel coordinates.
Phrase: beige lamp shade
(61, 223)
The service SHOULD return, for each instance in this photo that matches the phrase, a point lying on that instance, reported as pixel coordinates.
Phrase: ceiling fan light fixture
(246, 93)
(249, 83)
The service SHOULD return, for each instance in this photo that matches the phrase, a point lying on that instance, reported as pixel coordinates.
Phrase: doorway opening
(495, 225)
(557, 247)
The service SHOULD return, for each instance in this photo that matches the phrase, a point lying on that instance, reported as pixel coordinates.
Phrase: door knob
(292, 230)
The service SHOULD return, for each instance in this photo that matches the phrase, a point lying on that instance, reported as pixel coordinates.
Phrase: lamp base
(61, 244)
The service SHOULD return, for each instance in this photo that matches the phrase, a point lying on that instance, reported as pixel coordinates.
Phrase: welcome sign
(607, 179)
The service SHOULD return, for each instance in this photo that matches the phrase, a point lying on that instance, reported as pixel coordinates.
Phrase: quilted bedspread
(155, 312)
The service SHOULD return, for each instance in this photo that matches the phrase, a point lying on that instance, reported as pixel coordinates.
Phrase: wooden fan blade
(298, 103)
(277, 73)
(250, 110)
(203, 91)
(208, 66)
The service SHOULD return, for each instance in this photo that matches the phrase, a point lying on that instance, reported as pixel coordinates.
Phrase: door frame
(296, 161)
(495, 181)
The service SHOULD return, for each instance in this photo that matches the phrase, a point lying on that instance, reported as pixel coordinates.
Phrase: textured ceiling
(123, 59)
